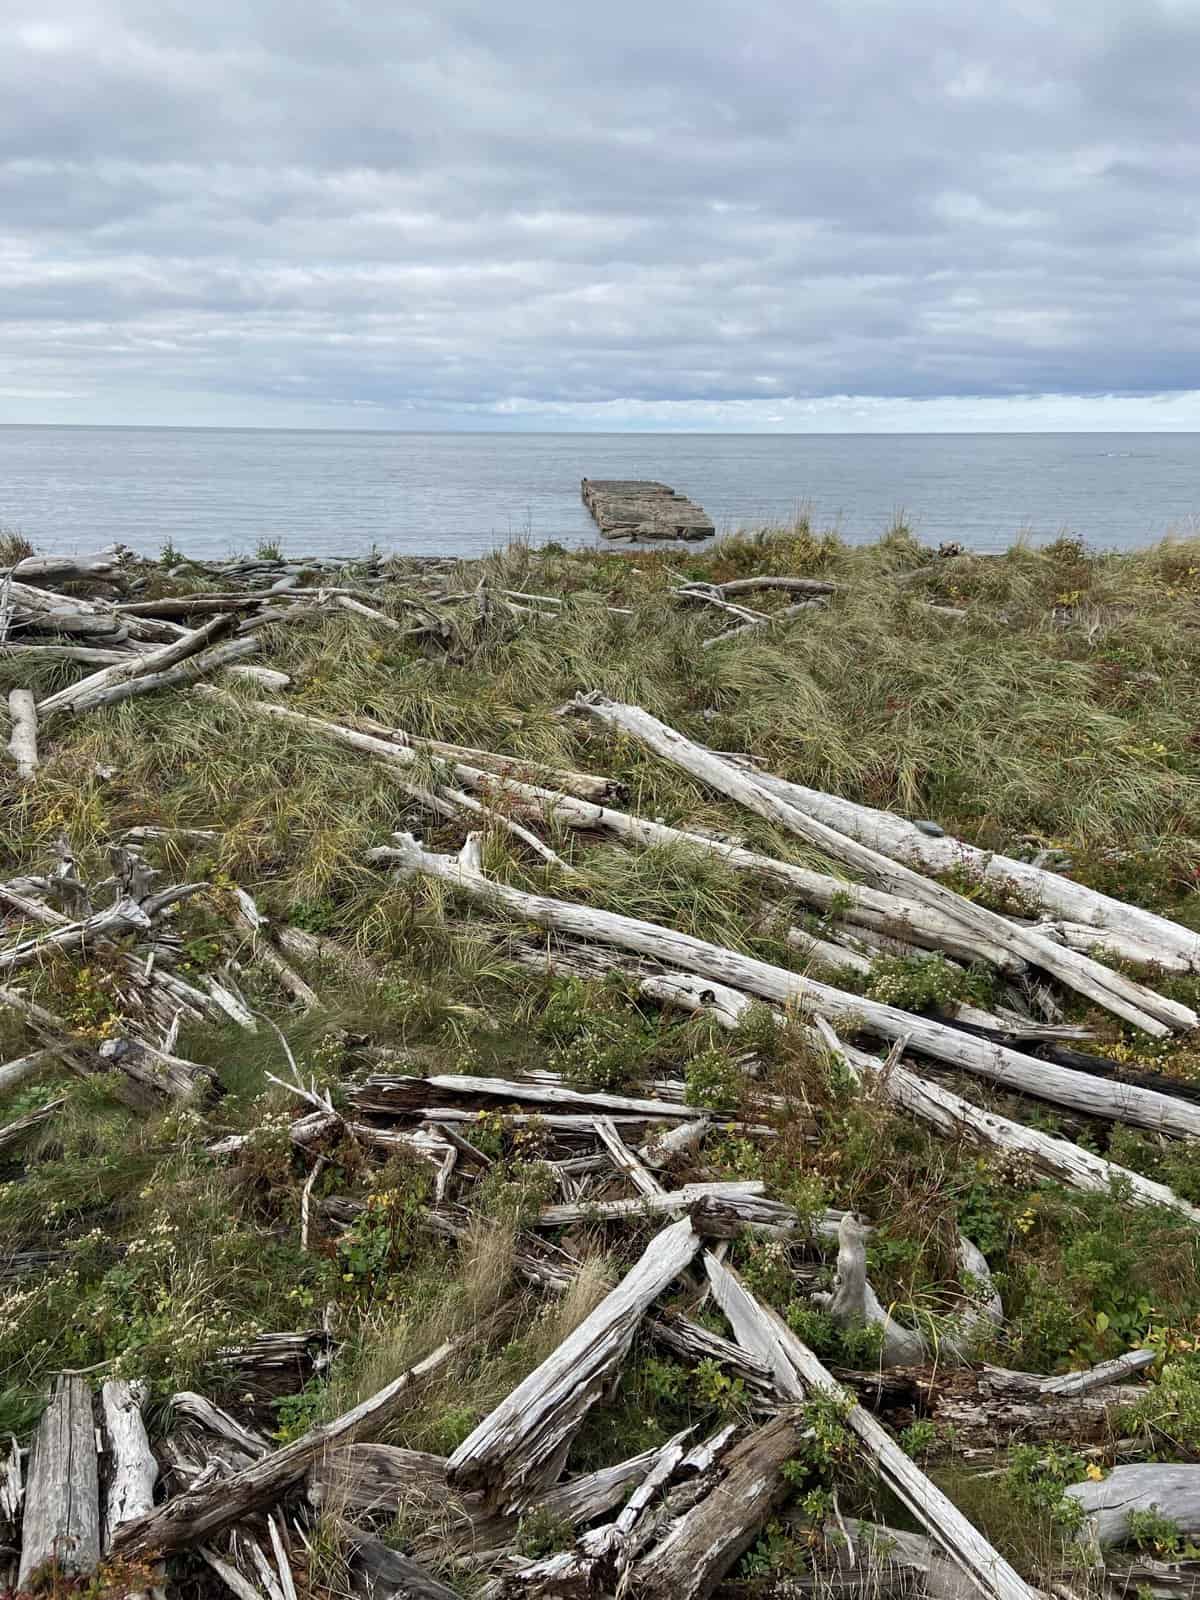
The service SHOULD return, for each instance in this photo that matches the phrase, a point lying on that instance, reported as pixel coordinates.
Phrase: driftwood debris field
(601, 1073)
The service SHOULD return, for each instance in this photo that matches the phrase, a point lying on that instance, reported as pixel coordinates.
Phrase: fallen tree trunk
(1057, 1158)
(1035, 887)
(22, 738)
(88, 691)
(701, 1546)
(1129, 1000)
(61, 1528)
(1171, 1490)
(797, 1371)
(198, 1513)
(133, 1469)
(385, 1095)
(863, 906)
(518, 1450)
(1095, 1097)
(196, 666)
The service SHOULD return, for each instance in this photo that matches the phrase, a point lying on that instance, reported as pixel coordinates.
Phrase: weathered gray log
(701, 1546)
(381, 1573)
(133, 1469)
(61, 1528)
(198, 1513)
(384, 1095)
(519, 1448)
(22, 738)
(1172, 1490)
(13, 1073)
(798, 1371)
(562, 1216)
(1101, 1375)
(1036, 887)
(188, 671)
(1129, 1000)
(1060, 1159)
(89, 655)
(83, 693)
(1061, 1085)
(582, 785)
(62, 569)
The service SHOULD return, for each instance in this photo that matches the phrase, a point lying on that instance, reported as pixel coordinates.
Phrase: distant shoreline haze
(215, 491)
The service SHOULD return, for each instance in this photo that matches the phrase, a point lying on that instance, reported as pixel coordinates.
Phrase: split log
(22, 739)
(61, 1530)
(701, 1546)
(1094, 1097)
(384, 1095)
(797, 1371)
(1037, 888)
(200, 1512)
(264, 677)
(765, 581)
(134, 1470)
(1129, 1000)
(518, 1450)
(1173, 1491)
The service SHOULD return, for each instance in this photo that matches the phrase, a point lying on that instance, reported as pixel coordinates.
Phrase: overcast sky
(747, 214)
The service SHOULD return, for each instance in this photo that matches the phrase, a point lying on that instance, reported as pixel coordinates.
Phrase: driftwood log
(1172, 1490)
(519, 1449)
(797, 1372)
(22, 738)
(201, 1512)
(1131, 1001)
(1095, 1097)
(61, 1528)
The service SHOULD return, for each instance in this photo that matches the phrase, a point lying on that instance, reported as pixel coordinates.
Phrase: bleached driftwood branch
(22, 738)
(1046, 1080)
(520, 1447)
(1132, 1001)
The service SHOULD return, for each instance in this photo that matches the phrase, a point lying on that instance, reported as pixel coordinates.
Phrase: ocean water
(212, 492)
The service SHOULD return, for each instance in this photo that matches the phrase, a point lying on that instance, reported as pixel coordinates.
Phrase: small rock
(933, 829)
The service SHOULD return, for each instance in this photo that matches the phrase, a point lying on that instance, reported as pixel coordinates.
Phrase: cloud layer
(718, 213)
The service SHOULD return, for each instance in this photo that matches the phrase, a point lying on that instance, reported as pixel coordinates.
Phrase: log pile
(105, 1479)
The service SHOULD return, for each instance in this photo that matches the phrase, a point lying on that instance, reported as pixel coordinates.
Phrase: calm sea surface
(215, 491)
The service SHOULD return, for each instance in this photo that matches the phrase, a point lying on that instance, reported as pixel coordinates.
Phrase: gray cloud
(460, 210)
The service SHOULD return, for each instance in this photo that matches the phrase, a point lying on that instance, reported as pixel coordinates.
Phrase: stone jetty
(638, 508)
